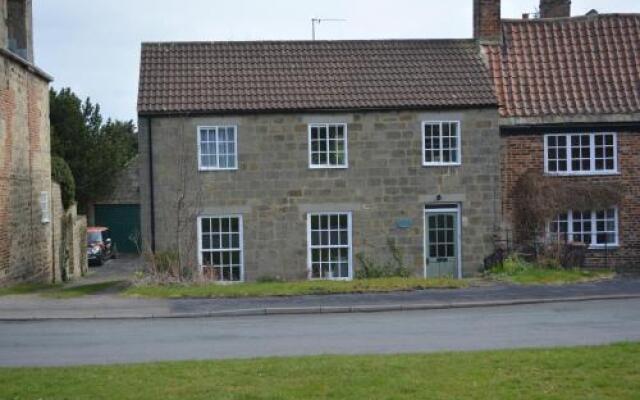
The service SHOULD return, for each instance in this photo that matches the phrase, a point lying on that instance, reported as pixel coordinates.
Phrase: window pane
(226, 264)
(329, 245)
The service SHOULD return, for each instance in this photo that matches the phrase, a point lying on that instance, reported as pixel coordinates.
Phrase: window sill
(612, 173)
(599, 247)
(203, 169)
(441, 164)
(328, 167)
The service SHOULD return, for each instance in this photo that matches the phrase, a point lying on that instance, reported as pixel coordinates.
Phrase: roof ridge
(572, 18)
(303, 41)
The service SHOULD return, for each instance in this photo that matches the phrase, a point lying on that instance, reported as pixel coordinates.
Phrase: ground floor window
(329, 245)
(220, 243)
(594, 228)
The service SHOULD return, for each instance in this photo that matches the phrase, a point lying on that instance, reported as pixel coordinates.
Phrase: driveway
(125, 341)
(122, 268)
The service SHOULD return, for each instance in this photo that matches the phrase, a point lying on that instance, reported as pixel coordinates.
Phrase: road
(124, 341)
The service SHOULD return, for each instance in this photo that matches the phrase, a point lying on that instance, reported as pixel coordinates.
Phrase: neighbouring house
(33, 225)
(569, 95)
(296, 159)
(120, 211)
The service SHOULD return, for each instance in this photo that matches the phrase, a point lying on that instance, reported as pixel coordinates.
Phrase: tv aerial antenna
(317, 21)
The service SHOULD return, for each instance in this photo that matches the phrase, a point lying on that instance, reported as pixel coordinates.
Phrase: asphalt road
(124, 341)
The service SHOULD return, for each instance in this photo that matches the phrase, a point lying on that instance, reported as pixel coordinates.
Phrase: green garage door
(124, 222)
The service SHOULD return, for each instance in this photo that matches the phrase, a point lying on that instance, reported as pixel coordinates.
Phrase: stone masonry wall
(69, 239)
(521, 152)
(274, 187)
(25, 172)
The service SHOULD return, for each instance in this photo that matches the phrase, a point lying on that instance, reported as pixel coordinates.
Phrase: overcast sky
(93, 46)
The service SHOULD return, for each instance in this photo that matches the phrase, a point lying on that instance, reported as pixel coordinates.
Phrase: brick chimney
(486, 20)
(555, 8)
(15, 27)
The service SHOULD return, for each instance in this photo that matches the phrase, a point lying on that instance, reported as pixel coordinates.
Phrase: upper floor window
(575, 154)
(441, 143)
(593, 228)
(328, 146)
(217, 147)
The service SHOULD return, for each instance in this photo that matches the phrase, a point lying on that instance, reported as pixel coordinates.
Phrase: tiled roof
(306, 75)
(568, 66)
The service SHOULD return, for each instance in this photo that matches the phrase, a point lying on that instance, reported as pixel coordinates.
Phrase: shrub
(511, 265)
(61, 173)
(369, 269)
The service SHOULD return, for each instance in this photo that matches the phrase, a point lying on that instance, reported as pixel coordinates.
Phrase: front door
(441, 234)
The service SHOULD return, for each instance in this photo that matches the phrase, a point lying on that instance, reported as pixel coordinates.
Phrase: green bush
(512, 265)
(369, 269)
(61, 173)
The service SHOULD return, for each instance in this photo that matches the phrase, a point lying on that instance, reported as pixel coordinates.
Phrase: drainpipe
(151, 189)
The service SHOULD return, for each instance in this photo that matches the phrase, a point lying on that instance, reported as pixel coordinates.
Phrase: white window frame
(458, 148)
(202, 167)
(326, 125)
(594, 229)
(592, 155)
(240, 248)
(350, 247)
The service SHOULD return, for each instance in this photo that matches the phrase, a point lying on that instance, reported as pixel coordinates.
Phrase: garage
(124, 222)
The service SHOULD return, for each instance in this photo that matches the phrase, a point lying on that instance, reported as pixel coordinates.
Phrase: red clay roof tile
(579, 65)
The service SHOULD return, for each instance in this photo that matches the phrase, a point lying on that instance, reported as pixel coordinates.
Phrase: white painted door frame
(457, 210)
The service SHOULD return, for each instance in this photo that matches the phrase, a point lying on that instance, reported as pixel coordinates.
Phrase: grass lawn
(262, 289)
(515, 270)
(59, 291)
(604, 372)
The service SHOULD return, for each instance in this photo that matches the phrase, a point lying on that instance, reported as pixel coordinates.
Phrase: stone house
(569, 96)
(31, 214)
(296, 159)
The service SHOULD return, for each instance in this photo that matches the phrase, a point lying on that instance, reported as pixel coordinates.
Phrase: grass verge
(62, 292)
(602, 372)
(516, 270)
(263, 289)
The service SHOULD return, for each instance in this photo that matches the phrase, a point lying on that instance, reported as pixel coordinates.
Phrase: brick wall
(521, 152)
(274, 187)
(25, 172)
(487, 24)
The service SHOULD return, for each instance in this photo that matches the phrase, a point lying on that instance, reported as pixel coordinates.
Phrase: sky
(93, 46)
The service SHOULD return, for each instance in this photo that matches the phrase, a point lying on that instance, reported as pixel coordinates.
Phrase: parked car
(100, 246)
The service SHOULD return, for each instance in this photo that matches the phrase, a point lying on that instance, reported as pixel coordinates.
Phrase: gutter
(151, 188)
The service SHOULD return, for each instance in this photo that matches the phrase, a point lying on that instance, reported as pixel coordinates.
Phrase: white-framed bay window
(328, 145)
(597, 229)
(581, 154)
(217, 148)
(329, 249)
(220, 247)
(441, 143)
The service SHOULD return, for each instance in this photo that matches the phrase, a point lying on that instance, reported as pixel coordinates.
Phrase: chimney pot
(486, 20)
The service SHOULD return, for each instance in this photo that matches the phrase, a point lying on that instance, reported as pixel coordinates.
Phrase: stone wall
(25, 173)
(274, 187)
(524, 151)
(69, 240)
